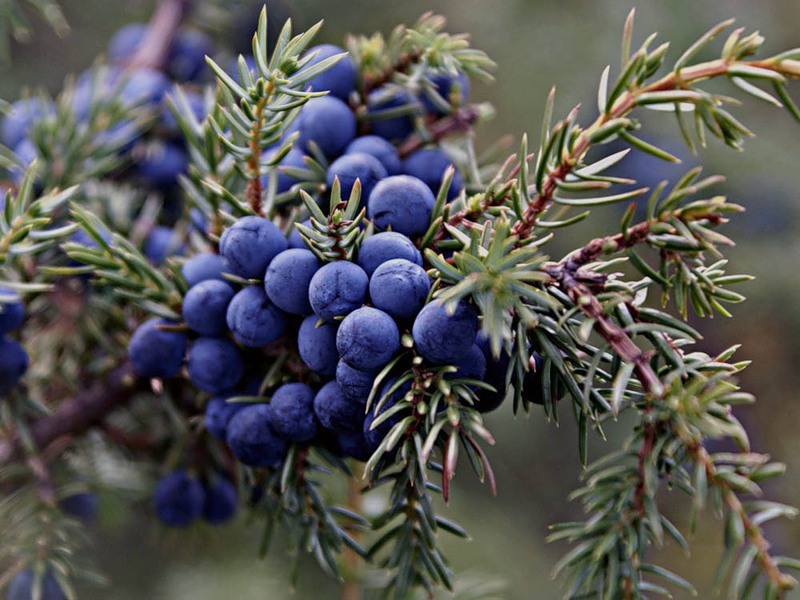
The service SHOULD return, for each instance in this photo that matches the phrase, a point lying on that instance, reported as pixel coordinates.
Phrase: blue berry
(337, 289)
(253, 319)
(21, 586)
(292, 407)
(317, 346)
(336, 411)
(161, 243)
(197, 104)
(340, 79)
(442, 338)
(203, 267)
(329, 123)
(26, 153)
(218, 413)
(160, 165)
(429, 165)
(205, 307)
(82, 506)
(287, 279)
(187, 55)
(495, 375)
(472, 365)
(144, 87)
(13, 364)
(215, 364)
(383, 101)
(126, 41)
(252, 438)
(355, 445)
(355, 384)
(379, 248)
(221, 501)
(532, 383)
(350, 167)
(380, 148)
(399, 287)
(178, 499)
(249, 245)
(454, 89)
(156, 353)
(17, 123)
(403, 203)
(368, 338)
(295, 240)
(12, 313)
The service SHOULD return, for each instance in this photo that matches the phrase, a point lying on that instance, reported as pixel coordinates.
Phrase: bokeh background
(536, 43)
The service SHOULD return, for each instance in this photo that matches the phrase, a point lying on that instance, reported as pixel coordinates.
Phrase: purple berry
(368, 338)
(205, 307)
(399, 287)
(292, 407)
(252, 438)
(157, 353)
(249, 245)
(215, 364)
(336, 411)
(287, 279)
(337, 289)
(443, 338)
(178, 499)
(403, 203)
(253, 319)
(317, 346)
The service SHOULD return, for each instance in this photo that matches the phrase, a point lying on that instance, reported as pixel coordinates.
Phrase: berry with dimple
(178, 499)
(329, 123)
(355, 384)
(205, 306)
(292, 407)
(337, 289)
(202, 267)
(21, 586)
(253, 320)
(385, 246)
(249, 245)
(399, 287)
(402, 203)
(12, 313)
(368, 338)
(157, 352)
(252, 438)
(221, 500)
(336, 411)
(340, 79)
(218, 413)
(317, 346)
(349, 167)
(443, 338)
(215, 364)
(380, 148)
(429, 165)
(287, 279)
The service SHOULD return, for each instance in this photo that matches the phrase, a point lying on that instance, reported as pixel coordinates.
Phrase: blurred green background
(537, 44)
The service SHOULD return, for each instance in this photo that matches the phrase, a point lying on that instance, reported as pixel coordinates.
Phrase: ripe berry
(82, 506)
(249, 245)
(17, 122)
(385, 100)
(453, 89)
(368, 338)
(337, 289)
(178, 499)
(399, 287)
(162, 242)
(403, 203)
(155, 352)
(187, 55)
(340, 79)
(160, 164)
(472, 365)
(495, 375)
(328, 122)
(294, 159)
(381, 149)
(292, 411)
(287, 279)
(349, 167)
(12, 312)
(443, 338)
(429, 165)
(317, 346)
(218, 413)
(221, 501)
(126, 41)
(381, 247)
(215, 364)
(13, 364)
(21, 586)
(202, 267)
(253, 319)
(374, 435)
(205, 307)
(252, 438)
(336, 411)
(355, 384)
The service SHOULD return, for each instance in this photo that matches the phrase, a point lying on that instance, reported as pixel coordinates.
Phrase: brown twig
(461, 120)
(166, 20)
(78, 414)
